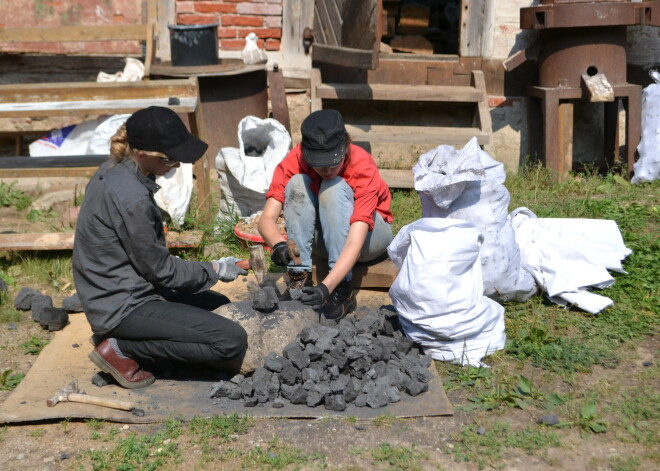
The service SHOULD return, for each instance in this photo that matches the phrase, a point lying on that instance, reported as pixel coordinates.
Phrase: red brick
(262, 32)
(272, 45)
(212, 7)
(273, 21)
(232, 44)
(185, 7)
(259, 9)
(227, 33)
(242, 21)
(196, 19)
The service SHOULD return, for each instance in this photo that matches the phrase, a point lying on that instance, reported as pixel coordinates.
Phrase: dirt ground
(51, 446)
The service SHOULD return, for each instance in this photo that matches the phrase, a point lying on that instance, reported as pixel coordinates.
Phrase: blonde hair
(120, 149)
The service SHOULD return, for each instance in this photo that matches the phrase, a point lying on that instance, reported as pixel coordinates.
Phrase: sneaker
(341, 302)
(297, 281)
(126, 371)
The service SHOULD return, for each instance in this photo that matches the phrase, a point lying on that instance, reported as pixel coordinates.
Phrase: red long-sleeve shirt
(359, 170)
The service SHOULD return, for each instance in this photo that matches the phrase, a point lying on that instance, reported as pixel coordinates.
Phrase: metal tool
(71, 393)
(294, 251)
(256, 262)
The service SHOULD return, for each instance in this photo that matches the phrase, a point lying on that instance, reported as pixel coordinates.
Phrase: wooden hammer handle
(100, 401)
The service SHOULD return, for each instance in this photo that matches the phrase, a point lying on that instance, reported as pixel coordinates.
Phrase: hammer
(71, 393)
(257, 263)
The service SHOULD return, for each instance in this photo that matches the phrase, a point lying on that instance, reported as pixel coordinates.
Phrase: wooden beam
(397, 178)
(64, 241)
(436, 93)
(415, 134)
(75, 33)
(98, 107)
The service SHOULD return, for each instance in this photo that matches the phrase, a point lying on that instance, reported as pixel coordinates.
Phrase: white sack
(70, 140)
(647, 168)
(133, 72)
(567, 256)
(469, 185)
(438, 293)
(245, 173)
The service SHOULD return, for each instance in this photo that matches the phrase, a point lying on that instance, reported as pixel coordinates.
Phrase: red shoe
(126, 371)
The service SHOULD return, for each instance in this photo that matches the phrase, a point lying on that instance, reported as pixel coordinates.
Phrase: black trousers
(181, 329)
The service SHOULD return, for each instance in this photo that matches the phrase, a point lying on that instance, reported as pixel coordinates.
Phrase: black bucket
(194, 44)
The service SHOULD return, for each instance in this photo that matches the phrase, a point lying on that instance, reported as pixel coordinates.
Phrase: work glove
(280, 255)
(227, 269)
(315, 296)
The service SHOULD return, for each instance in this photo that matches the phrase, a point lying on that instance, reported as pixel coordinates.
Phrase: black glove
(315, 296)
(280, 255)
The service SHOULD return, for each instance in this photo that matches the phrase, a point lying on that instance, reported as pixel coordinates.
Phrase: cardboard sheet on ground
(64, 359)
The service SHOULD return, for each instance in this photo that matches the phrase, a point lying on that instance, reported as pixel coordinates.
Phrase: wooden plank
(344, 56)
(277, 94)
(315, 81)
(472, 23)
(55, 108)
(380, 274)
(396, 178)
(47, 172)
(90, 91)
(64, 241)
(565, 145)
(415, 134)
(483, 120)
(435, 93)
(75, 33)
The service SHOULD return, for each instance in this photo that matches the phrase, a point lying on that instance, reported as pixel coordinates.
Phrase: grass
(400, 458)
(12, 197)
(488, 448)
(276, 455)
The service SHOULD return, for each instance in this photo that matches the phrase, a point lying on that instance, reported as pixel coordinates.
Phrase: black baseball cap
(323, 138)
(159, 129)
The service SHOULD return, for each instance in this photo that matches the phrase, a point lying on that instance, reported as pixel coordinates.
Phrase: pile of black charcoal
(366, 361)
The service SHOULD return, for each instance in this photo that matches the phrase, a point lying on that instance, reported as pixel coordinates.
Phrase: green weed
(140, 452)
(39, 432)
(10, 196)
(8, 381)
(637, 412)
(276, 455)
(625, 463)
(40, 269)
(590, 420)
(398, 457)
(34, 346)
(384, 420)
(488, 449)
(505, 392)
(220, 428)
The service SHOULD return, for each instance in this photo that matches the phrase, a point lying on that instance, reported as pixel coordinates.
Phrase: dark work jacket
(120, 259)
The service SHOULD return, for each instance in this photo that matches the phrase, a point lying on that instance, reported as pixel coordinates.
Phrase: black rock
(138, 412)
(23, 300)
(11, 326)
(274, 362)
(647, 363)
(72, 303)
(550, 419)
(102, 379)
(335, 402)
(38, 304)
(277, 403)
(53, 318)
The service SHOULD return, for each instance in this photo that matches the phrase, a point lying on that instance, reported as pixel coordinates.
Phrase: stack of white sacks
(467, 253)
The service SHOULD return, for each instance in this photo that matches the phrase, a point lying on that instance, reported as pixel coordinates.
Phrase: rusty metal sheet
(575, 15)
(64, 359)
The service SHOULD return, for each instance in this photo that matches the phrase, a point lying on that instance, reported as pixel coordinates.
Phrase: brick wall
(236, 19)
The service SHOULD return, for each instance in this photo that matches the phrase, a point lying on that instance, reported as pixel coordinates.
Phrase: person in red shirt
(336, 206)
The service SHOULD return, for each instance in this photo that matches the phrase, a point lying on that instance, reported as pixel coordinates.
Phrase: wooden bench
(89, 100)
(473, 95)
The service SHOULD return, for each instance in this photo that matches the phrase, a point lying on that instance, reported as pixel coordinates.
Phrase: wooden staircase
(474, 96)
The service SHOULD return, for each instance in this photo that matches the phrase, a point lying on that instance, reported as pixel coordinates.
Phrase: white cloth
(438, 293)
(567, 256)
(251, 53)
(647, 168)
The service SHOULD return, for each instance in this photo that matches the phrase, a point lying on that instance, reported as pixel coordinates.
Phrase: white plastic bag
(133, 72)
(70, 140)
(647, 168)
(567, 256)
(245, 173)
(469, 185)
(438, 293)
